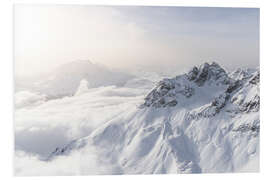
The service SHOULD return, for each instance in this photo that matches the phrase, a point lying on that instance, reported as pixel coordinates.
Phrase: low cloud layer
(27, 98)
(80, 162)
(41, 125)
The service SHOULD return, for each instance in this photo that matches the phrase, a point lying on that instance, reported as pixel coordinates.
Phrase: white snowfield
(204, 121)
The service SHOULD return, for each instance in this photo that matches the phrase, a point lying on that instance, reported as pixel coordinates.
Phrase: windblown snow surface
(203, 121)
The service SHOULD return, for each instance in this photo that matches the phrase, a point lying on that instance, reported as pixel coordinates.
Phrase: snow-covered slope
(206, 120)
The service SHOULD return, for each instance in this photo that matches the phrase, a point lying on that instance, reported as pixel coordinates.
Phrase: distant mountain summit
(206, 120)
(64, 80)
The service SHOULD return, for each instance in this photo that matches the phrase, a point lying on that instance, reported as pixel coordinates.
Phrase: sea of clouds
(42, 124)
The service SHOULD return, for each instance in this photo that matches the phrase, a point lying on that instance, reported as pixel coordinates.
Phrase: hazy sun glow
(127, 37)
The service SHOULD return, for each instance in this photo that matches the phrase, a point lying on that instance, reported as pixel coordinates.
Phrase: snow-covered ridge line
(206, 120)
(168, 91)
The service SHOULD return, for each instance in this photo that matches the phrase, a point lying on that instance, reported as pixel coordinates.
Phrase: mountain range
(203, 121)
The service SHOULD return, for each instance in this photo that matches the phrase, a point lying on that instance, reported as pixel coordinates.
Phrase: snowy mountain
(64, 80)
(203, 121)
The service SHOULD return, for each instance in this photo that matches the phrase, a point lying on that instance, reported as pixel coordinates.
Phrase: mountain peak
(206, 72)
(80, 62)
(203, 112)
(169, 90)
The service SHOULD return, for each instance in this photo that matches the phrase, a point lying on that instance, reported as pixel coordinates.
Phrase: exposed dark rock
(202, 75)
(233, 86)
(186, 91)
(212, 109)
(65, 150)
(220, 101)
(168, 91)
(192, 74)
(251, 106)
(172, 103)
(255, 79)
(208, 72)
(248, 128)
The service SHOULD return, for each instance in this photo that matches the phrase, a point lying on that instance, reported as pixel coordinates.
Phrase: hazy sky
(128, 36)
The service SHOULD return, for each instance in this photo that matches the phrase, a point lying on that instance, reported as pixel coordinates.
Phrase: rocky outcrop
(65, 150)
(170, 92)
(254, 129)
(211, 73)
(251, 106)
(209, 110)
(166, 92)
(203, 121)
(255, 79)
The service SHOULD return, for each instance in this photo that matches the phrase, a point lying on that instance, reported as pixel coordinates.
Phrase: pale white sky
(124, 37)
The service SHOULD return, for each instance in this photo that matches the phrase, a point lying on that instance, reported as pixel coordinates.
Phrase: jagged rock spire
(183, 85)
(206, 72)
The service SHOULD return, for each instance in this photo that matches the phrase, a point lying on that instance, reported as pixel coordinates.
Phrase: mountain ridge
(206, 120)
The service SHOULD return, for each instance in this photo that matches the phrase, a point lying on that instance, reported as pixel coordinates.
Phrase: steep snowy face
(201, 121)
(248, 96)
(242, 73)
